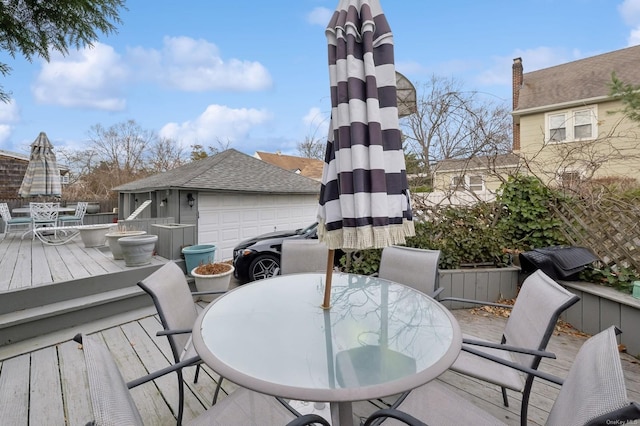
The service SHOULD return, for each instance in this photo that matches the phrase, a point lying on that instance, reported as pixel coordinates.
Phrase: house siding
(442, 180)
(11, 173)
(616, 149)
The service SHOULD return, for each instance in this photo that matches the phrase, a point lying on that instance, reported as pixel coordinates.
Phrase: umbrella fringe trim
(366, 236)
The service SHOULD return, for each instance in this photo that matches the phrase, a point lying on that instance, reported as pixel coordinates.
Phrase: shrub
(526, 219)
(466, 236)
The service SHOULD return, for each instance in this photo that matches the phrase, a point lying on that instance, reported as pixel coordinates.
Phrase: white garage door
(227, 219)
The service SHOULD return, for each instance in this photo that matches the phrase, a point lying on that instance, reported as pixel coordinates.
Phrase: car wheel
(264, 266)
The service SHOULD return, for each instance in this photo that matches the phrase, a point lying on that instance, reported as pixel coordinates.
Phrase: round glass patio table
(378, 338)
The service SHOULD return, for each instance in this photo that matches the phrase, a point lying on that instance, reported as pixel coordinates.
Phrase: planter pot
(198, 255)
(93, 208)
(217, 282)
(138, 250)
(94, 235)
(112, 240)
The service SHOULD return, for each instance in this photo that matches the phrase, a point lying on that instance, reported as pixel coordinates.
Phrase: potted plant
(212, 276)
(115, 234)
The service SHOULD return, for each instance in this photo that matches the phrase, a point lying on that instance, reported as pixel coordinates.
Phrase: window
(473, 183)
(572, 125)
(476, 183)
(557, 128)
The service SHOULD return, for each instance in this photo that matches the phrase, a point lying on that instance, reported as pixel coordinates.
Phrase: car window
(309, 230)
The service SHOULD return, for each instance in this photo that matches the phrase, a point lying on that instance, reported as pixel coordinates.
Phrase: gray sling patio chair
(169, 289)
(112, 403)
(593, 393)
(417, 268)
(525, 337)
(299, 256)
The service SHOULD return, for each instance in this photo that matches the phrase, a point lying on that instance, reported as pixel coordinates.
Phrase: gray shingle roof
(231, 171)
(579, 80)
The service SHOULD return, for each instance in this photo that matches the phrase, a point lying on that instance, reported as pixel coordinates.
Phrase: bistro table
(378, 338)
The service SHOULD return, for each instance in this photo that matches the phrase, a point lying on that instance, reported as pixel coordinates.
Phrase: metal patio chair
(593, 393)
(417, 268)
(169, 289)
(112, 403)
(11, 223)
(43, 215)
(298, 256)
(77, 218)
(525, 337)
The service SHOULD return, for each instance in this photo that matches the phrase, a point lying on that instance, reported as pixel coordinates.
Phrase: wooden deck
(29, 263)
(47, 386)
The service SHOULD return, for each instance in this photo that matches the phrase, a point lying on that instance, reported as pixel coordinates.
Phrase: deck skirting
(600, 307)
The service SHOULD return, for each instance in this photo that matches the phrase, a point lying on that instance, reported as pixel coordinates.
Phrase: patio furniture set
(44, 219)
(378, 338)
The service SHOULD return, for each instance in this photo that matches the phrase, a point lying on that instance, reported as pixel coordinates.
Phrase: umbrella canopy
(42, 177)
(364, 198)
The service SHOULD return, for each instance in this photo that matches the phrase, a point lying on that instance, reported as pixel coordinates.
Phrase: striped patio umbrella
(42, 178)
(364, 198)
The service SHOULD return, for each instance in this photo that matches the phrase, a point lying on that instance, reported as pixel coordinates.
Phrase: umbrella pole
(328, 277)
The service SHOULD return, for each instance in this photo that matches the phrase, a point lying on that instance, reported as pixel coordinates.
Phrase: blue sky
(255, 73)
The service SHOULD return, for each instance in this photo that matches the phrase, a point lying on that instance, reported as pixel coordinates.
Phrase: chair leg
(505, 400)
(217, 391)
(524, 409)
(195, 379)
(180, 397)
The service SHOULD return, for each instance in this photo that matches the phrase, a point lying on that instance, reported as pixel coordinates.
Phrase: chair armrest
(170, 369)
(537, 373)
(176, 331)
(308, 419)
(394, 414)
(477, 302)
(202, 293)
(436, 292)
(509, 348)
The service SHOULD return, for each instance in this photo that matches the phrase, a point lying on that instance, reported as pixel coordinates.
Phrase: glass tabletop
(377, 339)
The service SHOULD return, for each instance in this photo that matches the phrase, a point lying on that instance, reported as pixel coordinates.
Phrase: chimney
(516, 81)
(516, 85)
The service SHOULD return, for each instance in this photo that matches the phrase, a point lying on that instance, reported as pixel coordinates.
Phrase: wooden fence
(610, 227)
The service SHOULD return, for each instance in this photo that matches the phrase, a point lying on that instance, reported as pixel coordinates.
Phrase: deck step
(41, 320)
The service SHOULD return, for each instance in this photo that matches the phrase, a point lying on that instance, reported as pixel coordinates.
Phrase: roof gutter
(562, 105)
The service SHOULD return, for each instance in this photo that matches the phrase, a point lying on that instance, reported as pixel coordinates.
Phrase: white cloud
(634, 37)
(194, 65)
(90, 78)
(320, 16)
(9, 114)
(630, 12)
(317, 122)
(537, 58)
(216, 123)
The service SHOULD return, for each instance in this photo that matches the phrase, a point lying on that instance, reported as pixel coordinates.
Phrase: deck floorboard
(48, 385)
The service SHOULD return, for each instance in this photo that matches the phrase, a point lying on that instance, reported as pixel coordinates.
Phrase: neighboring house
(309, 167)
(476, 174)
(568, 128)
(230, 197)
(12, 169)
(464, 181)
